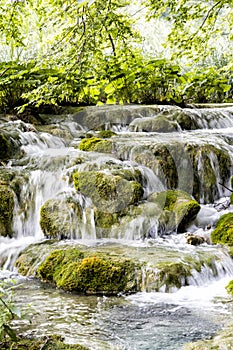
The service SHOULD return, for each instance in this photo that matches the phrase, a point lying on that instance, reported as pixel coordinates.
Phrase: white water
(48, 162)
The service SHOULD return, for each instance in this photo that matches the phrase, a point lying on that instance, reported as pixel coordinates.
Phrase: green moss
(51, 342)
(229, 288)
(223, 233)
(95, 144)
(71, 271)
(105, 134)
(51, 268)
(55, 218)
(105, 220)
(180, 203)
(5, 150)
(173, 274)
(109, 193)
(6, 211)
(206, 159)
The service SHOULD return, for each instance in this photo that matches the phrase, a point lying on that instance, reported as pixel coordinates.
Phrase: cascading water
(43, 173)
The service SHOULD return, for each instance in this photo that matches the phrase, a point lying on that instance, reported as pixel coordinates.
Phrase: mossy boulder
(110, 192)
(211, 165)
(195, 168)
(223, 233)
(6, 210)
(172, 275)
(96, 144)
(71, 271)
(113, 268)
(5, 148)
(178, 207)
(60, 218)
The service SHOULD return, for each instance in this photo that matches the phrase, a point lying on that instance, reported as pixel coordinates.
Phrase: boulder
(159, 123)
(96, 144)
(223, 233)
(60, 218)
(178, 210)
(110, 192)
(6, 210)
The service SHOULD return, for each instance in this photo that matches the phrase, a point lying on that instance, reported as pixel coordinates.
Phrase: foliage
(67, 52)
(8, 311)
(196, 25)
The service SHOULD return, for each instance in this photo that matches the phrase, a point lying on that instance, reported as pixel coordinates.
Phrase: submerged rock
(194, 239)
(158, 123)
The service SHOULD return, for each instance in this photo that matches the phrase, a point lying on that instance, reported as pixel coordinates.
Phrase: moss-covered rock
(179, 209)
(96, 144)
(51, 342)
(210, 166)
(106, 134)
(229, 288)
(71, 271)
(105, 268)
(159, 123)
(223, 233)
(6, 210)
(109, 193)
(59, 218)
(173, 275)
(5, 148)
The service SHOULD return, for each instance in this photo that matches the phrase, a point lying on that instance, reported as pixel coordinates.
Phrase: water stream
(145, 320)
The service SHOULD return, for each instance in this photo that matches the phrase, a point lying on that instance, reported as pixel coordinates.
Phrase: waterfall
(112, 208)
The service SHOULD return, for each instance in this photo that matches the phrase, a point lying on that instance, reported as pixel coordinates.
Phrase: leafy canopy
(86, 52)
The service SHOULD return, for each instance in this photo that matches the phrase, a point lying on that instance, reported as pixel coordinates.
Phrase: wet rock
(47, 343)
(194, 239)
(105, 268)
(6, 210)
(100, 118)
(159, 123)
(178, 209)
(96, 144)
(60, 218)
(109, 192)
(72, 271)
(223, 233)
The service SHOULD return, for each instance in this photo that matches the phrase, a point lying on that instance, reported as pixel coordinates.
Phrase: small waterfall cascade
(113, 198)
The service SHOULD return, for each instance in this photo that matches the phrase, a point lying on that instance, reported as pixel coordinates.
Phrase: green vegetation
(72, 271)
(110, 192)
(56, 53)
(223, 233)
(179, 208)
(55, 218)
(95, 144)
(8, 311)
(6, 210)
